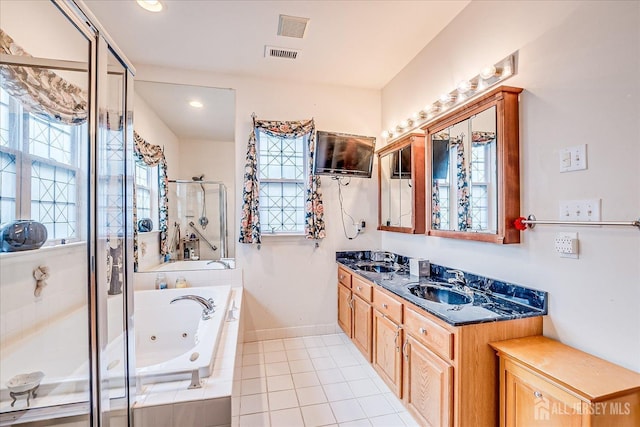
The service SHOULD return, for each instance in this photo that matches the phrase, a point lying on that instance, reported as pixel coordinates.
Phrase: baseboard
(293, 332)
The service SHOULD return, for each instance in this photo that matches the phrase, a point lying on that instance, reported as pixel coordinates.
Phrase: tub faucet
(225, 264)
(208, 306)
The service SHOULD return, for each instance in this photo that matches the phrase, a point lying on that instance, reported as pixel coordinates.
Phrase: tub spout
(225, 264)
(208, 306)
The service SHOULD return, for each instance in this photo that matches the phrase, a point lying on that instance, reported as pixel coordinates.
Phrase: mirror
(474, 163)
(194, 126)
(401, 185)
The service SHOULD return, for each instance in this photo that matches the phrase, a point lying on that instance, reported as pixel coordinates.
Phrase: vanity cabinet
(544, 382)
(362, 316)
(428, 385)
(344, 301)
(387, 340)
(445, 375)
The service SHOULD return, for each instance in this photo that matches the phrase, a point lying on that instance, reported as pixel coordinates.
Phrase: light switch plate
(580, 210)
(573, 158)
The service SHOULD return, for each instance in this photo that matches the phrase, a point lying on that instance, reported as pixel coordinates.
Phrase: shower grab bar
(189, 181)
(192, 225)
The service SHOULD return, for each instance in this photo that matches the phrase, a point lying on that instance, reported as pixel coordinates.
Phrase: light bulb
(506, 71)
(385, 134)
(488, 72)
(464, 86)
(150, 5)
(196, 104)
(404, 124)
(399, 128)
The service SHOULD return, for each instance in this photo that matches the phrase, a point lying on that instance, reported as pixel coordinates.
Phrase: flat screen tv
(341, 154)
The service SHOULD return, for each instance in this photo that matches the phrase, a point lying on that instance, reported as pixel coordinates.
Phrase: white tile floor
(312, 381)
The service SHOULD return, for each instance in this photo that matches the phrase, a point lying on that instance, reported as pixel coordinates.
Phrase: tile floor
(312, 381)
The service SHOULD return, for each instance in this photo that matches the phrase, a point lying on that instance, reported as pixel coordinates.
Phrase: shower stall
(66, 162)
(197, 220)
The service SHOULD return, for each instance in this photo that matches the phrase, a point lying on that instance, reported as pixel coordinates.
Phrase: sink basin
(440, 294)
(377, 267)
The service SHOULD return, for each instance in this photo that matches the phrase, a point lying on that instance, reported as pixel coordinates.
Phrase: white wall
(289, 283)
(153, 130)
(579, 63)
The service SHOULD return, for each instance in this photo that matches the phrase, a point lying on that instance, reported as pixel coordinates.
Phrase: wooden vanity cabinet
(446, 375)
(387, 340)
(362, 316)
(546, 383)
(345, 306)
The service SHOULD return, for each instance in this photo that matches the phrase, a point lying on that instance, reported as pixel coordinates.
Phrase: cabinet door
(428, 385)
(362, 337)
(532, 401)
(387, 358)
(344, 309)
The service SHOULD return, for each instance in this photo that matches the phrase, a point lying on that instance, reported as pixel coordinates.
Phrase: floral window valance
(42, 91)
(153, 155)
(314, 215)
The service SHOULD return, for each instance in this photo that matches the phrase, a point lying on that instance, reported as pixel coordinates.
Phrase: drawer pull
(341, 276)
(537, 394)
(423, 331)
(359, 288)
(385, 306)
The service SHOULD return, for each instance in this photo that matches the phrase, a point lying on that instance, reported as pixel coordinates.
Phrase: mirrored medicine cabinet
(401, 180)
(473, 175)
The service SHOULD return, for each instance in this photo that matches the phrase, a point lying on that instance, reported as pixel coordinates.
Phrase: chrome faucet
(459, 282)
(225, 264)
(208, 307)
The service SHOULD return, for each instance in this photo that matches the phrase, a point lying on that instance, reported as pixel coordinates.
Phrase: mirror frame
(416, 141)
(505, 99)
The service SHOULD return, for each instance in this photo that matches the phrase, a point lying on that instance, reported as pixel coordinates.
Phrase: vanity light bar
(465, 90)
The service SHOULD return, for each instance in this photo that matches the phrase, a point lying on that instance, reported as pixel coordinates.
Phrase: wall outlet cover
(566, 245)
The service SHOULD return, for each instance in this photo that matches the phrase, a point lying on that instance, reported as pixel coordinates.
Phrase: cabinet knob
(341, 277)
(359, 288)
(385, 306)
(422, 331)
(537, 394)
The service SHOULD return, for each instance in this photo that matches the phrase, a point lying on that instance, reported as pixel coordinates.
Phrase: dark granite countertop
(493, 300)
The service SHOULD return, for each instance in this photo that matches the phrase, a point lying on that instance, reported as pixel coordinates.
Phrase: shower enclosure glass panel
(45, 177)
(200, 216)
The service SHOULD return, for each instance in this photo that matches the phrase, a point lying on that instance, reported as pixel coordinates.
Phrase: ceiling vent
(280, 52)
(292, 26)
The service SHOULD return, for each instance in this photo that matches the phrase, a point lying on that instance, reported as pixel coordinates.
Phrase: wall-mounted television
(341, 154)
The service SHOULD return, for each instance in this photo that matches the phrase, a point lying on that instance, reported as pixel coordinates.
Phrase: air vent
(292, 26)
(280, 52)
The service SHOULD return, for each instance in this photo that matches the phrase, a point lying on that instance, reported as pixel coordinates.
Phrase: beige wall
(579, 66)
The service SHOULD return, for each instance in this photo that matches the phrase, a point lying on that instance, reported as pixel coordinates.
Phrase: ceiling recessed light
(196, 104)
(150, 5)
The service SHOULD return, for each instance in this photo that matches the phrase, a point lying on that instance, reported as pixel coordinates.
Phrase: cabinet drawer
(344, 277)
(387, 305)
(429, 333)
(362, 288)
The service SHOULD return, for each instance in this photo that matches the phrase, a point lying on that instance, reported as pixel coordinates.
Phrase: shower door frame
(99, 44)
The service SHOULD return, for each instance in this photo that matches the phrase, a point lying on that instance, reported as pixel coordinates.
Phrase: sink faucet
(459, 282)
(208, 306)
(225, 264)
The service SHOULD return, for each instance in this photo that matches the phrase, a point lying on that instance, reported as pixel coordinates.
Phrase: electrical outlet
(566, 245)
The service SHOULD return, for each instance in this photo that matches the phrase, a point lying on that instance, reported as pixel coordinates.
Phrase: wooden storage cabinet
(428, 385)
(345, 309)
(362, 318)
(546, 383)
(446, 375)
(387, 354)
